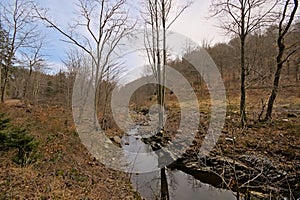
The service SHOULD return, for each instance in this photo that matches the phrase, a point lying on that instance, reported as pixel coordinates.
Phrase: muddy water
(181, 185)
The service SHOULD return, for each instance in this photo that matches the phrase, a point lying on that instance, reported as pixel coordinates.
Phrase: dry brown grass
(64, 169)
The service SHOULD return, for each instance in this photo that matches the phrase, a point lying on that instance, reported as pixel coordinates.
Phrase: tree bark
(1, 76)
(280, 60)
(27, 82)
(3, 89)
(159, 85)
(243, 89)
(164, 52)
(274, 92)
(243, 74)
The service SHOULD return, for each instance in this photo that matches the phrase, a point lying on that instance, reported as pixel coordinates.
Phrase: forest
(221, 115)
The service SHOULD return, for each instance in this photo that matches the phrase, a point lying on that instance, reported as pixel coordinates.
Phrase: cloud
(196, 24)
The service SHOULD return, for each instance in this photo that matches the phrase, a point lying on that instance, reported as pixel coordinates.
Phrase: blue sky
(193, 23)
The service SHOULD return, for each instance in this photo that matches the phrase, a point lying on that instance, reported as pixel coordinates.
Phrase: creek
(180, 184)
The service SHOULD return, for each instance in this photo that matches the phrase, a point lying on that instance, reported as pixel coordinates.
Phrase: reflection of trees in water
(164, 188)
(180, 186)
(164, 184)
(194, 183)
(147, 184)
(153, 185)
(172, 180)
(155, 191)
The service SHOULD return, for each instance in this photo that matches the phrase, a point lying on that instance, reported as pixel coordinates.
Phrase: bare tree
(74, 61)
(159, 18)
(283, 28)
(241, 18)
(33, 61)
(21, 29)
(105, 23)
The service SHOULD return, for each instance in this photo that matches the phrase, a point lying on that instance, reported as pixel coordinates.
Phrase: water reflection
(145, 158)
(179, 185)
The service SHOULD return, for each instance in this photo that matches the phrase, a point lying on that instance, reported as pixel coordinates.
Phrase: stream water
(181, 186)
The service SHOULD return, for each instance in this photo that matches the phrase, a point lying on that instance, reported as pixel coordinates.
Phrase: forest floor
(65, 170)
(264, 157)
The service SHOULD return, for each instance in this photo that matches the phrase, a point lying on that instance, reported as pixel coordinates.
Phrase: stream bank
(262, 161)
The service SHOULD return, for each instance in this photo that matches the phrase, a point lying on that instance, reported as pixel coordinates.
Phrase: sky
(194, 23)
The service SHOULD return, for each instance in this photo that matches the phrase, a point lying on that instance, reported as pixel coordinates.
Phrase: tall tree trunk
(274, 92)
(282, 31)
(164, 181)
(1, 75)
(27, 82)
(164, 51)
(159, 85)
(243, 78)
(3, 89)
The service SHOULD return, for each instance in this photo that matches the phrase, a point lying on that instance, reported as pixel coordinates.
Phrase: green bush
(4, 127)
(12, 137)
